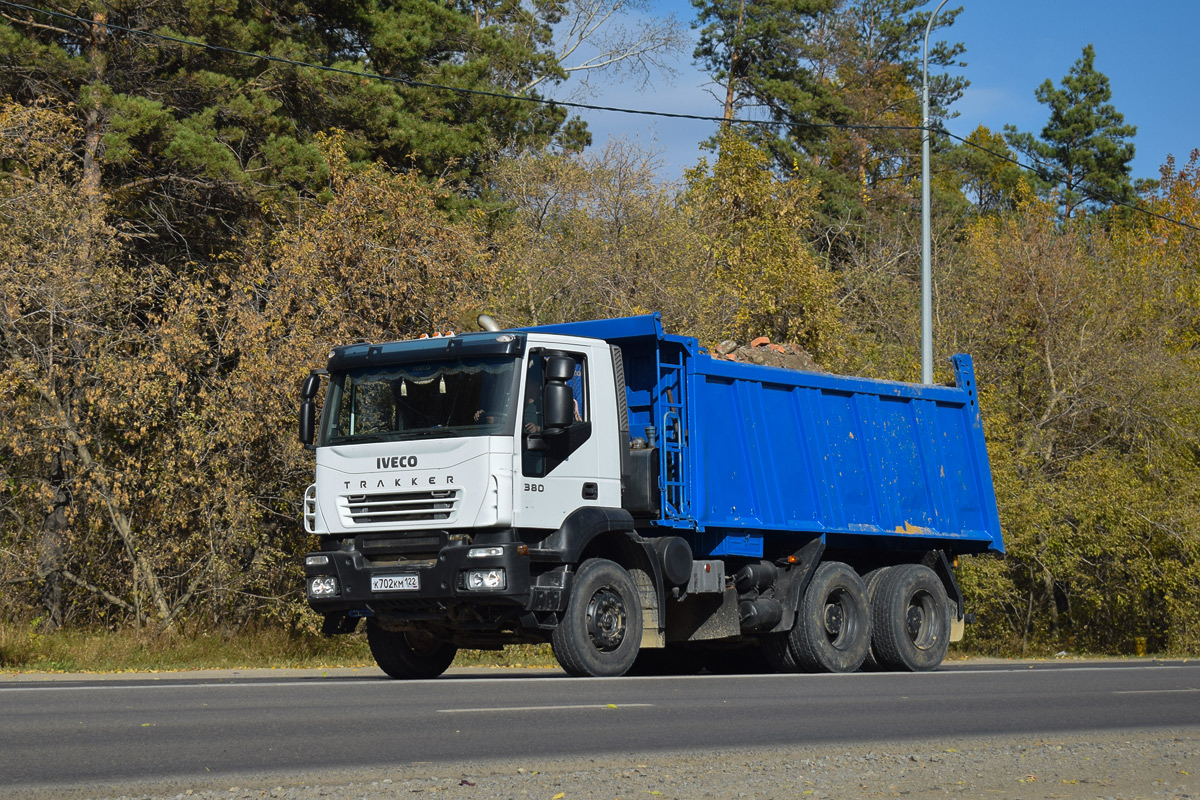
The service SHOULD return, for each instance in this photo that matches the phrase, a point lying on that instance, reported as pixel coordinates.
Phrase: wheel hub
(606, 620)
(835, 618)
(915, 620)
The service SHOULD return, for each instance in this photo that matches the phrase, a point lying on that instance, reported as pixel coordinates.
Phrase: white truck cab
(452, 434)
(445, 469)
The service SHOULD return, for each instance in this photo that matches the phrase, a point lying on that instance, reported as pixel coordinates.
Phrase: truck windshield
(455, 397)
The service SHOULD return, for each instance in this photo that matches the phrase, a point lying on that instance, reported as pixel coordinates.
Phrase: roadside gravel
(1117, 766)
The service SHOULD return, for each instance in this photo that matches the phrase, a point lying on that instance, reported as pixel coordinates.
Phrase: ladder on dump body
(676, 504)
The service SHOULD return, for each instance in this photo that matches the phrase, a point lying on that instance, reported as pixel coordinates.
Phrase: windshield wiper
(430, 432)
(359, 439)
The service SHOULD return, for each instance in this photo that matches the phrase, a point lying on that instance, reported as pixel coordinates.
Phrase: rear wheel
(912, 619)
(833, 627)
(409, 654)
(601, 630)
(778, 653)
(871, 581)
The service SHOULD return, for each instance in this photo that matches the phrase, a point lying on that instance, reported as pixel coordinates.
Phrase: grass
(24, 650)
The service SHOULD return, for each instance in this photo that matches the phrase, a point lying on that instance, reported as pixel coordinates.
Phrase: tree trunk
(1051, 602)
(120, 520)
(93, 128)
(50, 548)
(735, 64)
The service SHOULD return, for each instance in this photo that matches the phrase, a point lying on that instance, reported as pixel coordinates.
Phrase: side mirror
(558, 406)
(308, 422)
(308, 389)
(557, 399)
(308, 409)
(560, 368)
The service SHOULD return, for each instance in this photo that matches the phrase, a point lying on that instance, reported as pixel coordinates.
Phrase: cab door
(560, 467)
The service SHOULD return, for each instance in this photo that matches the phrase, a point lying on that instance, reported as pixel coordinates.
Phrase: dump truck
(640, 505)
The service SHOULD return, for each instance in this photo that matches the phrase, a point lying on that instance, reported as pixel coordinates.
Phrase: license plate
(395, 583)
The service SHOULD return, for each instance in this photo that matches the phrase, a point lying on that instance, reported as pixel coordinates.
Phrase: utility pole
(926, 291)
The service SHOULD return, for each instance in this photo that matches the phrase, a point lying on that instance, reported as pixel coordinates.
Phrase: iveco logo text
(395, 462)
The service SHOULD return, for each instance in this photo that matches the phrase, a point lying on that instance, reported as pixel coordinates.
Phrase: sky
(1148, 50)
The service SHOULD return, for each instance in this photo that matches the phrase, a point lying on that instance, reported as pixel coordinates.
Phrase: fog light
(316, 561)
(485, 552)
(323, 586)
(486, 580)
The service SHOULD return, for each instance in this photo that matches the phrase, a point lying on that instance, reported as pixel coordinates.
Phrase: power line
(428, 85)
(1042, 170)
(1047, 172)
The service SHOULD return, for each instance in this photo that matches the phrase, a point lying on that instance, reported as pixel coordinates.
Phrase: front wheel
(833, 628)
(409, 654)
(600, 632)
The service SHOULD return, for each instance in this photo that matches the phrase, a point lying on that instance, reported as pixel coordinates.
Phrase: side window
(578, 389)
(531, 403)
(533, 457)
(539, 456)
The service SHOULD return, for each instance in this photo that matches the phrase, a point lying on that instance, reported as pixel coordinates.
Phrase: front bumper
(425, 588)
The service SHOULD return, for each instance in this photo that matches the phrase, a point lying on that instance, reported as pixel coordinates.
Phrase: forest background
(197, 199)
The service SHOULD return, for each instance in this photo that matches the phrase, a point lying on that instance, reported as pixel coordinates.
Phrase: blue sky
(1148, 50)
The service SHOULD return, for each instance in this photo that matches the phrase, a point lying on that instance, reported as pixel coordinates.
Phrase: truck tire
(600, 632)
(871, 581)
(911, 619)
(833, 627)
(777, 651)
(408, 655)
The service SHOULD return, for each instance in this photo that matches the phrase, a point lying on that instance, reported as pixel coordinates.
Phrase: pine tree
(755, 51)
(1085, 142)
(871, 50)
(806, 67)
(190, 144)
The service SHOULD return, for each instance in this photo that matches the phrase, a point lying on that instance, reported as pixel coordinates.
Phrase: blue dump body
(757, 459)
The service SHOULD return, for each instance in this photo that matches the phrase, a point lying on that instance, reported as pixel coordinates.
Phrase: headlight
(323, 586)
(486, 580)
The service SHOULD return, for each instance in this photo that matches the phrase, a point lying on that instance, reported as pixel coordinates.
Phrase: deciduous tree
(1076, 331)
(757, 272)
(589, 235)
(727, 258)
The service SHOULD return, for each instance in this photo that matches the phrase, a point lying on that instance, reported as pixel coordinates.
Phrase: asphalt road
(139, 728)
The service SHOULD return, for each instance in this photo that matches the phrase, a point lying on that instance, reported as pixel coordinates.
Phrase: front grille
(406, 551)
(393, 507)
(374, 544)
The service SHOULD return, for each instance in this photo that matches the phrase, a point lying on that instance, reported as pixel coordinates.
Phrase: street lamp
(926, 295)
